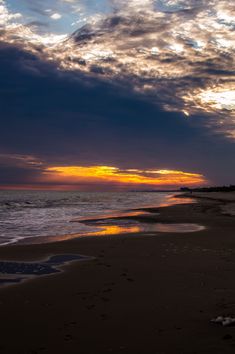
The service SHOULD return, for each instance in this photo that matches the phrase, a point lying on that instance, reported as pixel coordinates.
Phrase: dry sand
(148, 294)
(227, 200)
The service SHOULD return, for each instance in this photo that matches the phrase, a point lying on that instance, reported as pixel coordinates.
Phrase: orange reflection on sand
(174, 200)
(114, 230)
(109, 174)
(110, 230)
(104, 230)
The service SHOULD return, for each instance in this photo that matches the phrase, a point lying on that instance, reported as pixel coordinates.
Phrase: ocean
(38, 214)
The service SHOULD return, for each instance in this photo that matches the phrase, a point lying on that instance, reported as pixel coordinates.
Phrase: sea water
(27, 214)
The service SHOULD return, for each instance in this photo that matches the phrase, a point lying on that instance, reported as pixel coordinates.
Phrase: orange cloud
(114, 175)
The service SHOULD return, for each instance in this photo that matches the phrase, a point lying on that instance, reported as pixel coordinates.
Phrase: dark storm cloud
(57, 118)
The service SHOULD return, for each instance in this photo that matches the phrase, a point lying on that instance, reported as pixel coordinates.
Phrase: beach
(145, 292)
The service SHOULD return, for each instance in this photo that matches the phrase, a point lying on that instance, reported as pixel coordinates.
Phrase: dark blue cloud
(67, 119)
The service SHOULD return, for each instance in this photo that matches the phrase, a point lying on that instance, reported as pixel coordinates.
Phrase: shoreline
(163, 214)
(151, 214)
(142, 293)
(92, 230)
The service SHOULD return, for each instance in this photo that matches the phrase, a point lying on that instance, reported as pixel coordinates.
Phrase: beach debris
(225, 321)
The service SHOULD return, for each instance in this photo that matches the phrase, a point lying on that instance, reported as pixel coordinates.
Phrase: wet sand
(142, 293)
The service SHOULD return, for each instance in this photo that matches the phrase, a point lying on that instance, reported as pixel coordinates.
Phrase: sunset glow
(109, 174)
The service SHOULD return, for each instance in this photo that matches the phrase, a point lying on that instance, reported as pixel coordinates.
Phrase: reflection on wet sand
(170, 201)
(144, 228)
(173, 200)
(134, 221)
(115, 230)
(126, 222)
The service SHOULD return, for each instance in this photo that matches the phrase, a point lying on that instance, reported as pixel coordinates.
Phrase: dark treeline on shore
(230, 188)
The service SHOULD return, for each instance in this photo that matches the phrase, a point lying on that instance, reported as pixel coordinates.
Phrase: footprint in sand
(105, 299)
(68, 337)
(104, 316)
(130, 279)
(107, 290)
(90, 307)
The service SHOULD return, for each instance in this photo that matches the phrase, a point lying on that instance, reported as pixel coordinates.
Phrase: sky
(113, 95)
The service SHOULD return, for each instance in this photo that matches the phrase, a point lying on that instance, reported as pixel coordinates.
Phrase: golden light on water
(110, 174)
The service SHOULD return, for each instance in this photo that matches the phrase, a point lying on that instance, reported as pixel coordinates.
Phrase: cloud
(109, 174)
(18, 169)
(143, 84)
(178, 54)
(29, 168)
(14, 31)
(7, 19)
(65, 116)
(19, 160)
(56, 16)
(179, 58)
